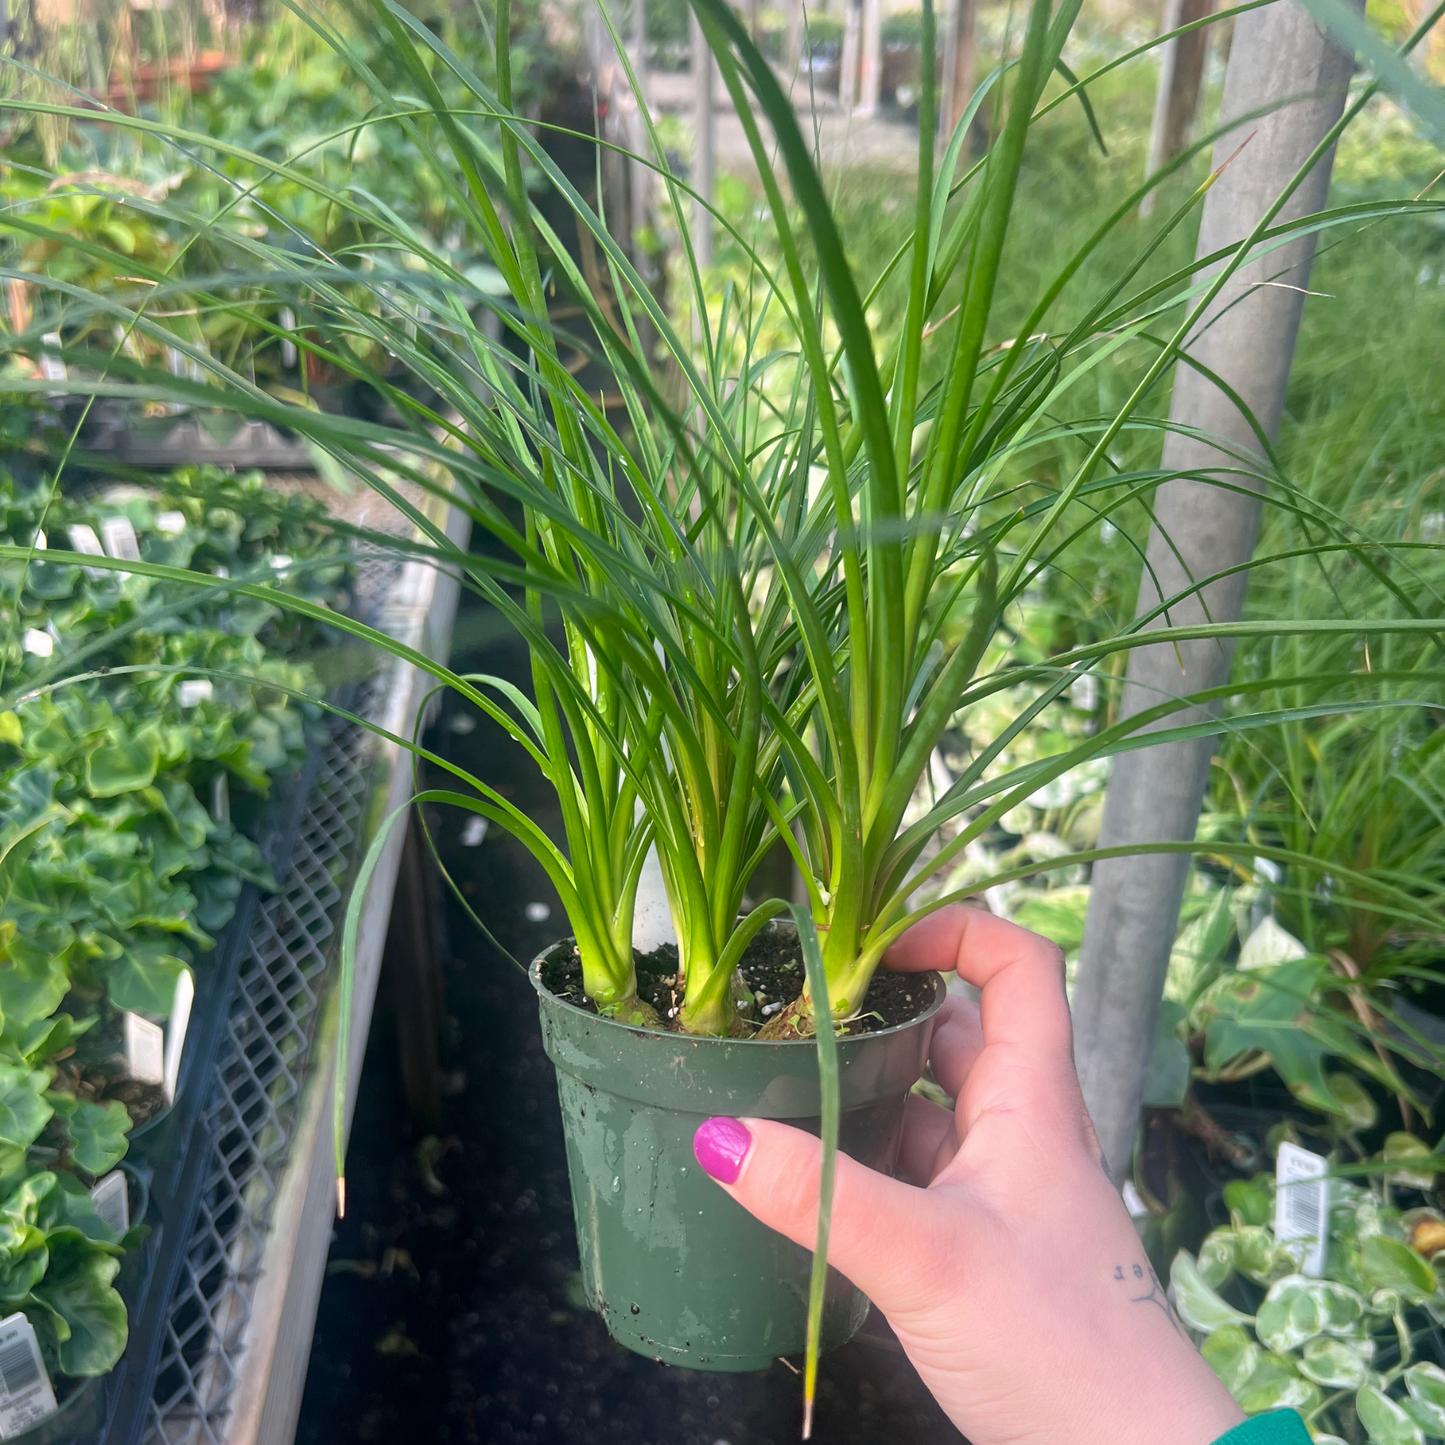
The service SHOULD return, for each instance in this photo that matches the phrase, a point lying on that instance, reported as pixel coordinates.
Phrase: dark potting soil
(452, 1309)
(772, 967)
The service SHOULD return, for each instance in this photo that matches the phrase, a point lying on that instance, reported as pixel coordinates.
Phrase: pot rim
(534, 974)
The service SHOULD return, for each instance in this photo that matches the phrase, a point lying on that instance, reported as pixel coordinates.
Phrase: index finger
(1022, 1004)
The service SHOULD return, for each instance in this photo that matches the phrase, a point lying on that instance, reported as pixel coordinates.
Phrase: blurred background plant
(1353, 1348)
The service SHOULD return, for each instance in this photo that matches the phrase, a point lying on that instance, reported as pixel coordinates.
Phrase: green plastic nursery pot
(680, 1271)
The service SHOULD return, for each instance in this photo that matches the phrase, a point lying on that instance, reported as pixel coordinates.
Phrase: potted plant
(1353, 1345)
(757, 574)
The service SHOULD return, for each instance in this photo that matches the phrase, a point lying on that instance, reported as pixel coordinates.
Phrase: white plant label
(83, 539)
(25, 1394)
(52, 368)
(42, 644)
(111, 1197)
(287, 318)
(145, 1050)
(176, 1026)
(194, 690)
(1302, 1204)
(1269, 870)
(221, 799)
(170, 524)
(120, 539)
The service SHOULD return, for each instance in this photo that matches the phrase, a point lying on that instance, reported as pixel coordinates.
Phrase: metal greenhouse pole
(1282, 62)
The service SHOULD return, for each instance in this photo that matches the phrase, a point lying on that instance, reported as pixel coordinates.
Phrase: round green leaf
(1198, 1305)
(1405, 1147)
(1289, 1316)
(1356, 1105)
(1233, 1356)
(1386, 1421)
(1343, 1308)
(144, 979)
(122, 766)
(1275, 1385)
(1426, 1384)
(77, 1290)
(1216, 1257)
(97, 1136)
(1259, 1258)
(1334, 1364)
(1391, 1264)
(23, 1110)
(1250, 1201)
(1427, 1417)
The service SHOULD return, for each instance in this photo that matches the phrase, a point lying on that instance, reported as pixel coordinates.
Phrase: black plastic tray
(171, 1157)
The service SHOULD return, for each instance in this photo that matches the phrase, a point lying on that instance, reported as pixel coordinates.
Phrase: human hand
(1013, 1277)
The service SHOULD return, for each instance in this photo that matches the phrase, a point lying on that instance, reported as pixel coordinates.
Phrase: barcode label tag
(170, 524)
(120, 539)
(145, 1050)
(1302, 1204)
(25, 1393)
(194, 690)
(111, 1198)
(176, 1026)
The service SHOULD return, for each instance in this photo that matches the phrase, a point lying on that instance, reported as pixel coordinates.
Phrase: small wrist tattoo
(1145, 1289)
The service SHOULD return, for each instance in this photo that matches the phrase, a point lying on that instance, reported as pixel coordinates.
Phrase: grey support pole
(1281, 59)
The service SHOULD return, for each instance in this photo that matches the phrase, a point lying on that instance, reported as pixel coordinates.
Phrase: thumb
(884, 1233)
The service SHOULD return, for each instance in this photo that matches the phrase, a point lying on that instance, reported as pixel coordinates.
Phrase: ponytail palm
(759, 572)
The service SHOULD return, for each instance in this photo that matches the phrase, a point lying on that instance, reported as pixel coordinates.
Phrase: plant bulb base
(716, 1019)
(794, 1022)
(632, 1010)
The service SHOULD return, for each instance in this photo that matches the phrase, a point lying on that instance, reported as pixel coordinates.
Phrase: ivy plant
(1356, 1350)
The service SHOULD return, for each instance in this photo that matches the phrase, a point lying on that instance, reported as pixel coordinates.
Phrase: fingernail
(721, 1145)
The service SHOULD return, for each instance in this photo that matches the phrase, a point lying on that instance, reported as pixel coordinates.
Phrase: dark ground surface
(452, 1310)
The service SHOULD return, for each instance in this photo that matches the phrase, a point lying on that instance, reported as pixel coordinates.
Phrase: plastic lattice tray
(176, 1383)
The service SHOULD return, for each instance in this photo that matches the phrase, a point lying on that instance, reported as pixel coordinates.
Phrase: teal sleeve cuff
(1279, 1427)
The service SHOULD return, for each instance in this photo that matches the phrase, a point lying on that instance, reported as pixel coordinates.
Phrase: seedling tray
(221, 1296)
(212, 1162)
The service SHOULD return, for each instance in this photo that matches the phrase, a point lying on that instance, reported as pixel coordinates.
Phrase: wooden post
(1287, 71)
(848, 66)
(870, 80)
(1181, 73)
(794, 54)
(958, 65)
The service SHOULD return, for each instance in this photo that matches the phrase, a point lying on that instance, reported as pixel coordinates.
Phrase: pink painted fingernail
(721, 1145)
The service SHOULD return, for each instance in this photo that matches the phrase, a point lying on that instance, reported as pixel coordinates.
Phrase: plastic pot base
(678, 1270)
